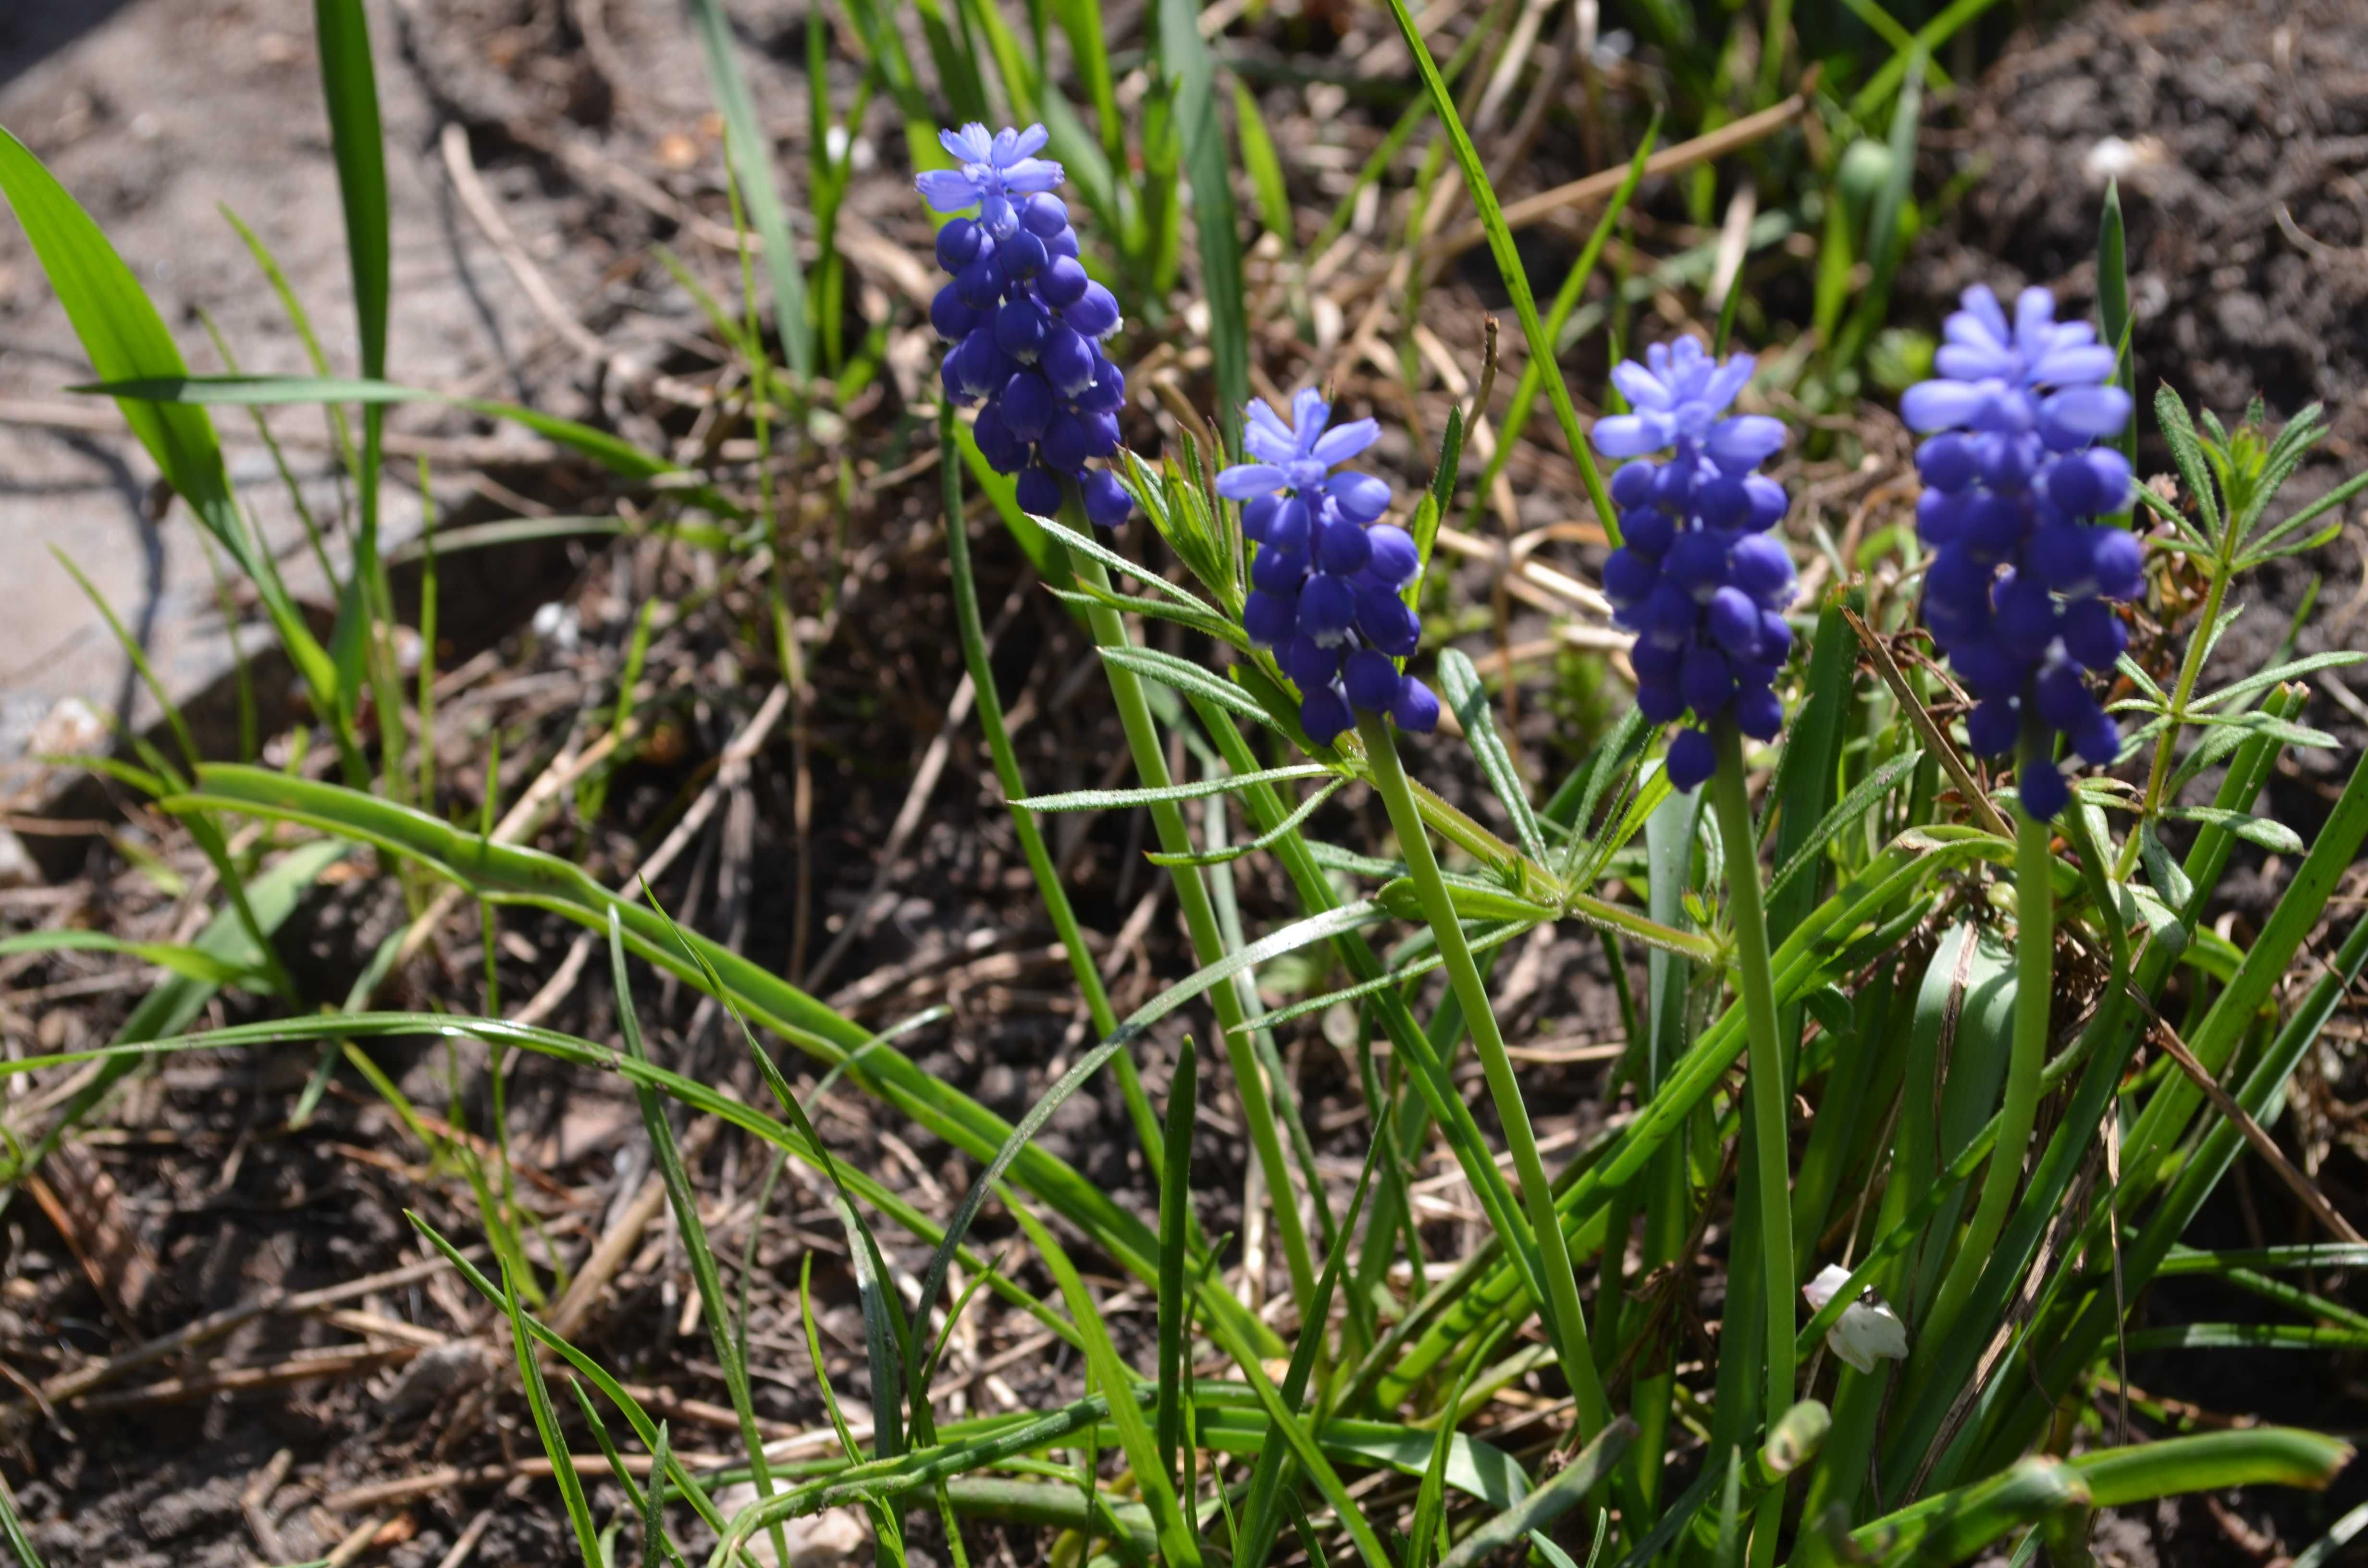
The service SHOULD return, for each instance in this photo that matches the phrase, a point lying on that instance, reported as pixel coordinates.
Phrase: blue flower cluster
(2016, 594)
(1326, 585)
(1697, 578)
(1026, 322)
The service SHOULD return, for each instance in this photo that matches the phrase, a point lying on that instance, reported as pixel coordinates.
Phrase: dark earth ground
(2259, 122)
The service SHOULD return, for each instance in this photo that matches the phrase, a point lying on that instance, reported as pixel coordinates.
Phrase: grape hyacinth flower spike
(1329, 581)
(2020, 588)
(1697, 577)
(1025, 322)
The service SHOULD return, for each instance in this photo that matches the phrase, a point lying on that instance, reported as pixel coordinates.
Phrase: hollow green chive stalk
(1764, 1084)
(2034, 983)
(1200, 916)
(1565, 1319)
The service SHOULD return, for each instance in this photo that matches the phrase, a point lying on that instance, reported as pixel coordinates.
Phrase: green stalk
(2034, 981)
(1767, 1089)
(1200, 916)
(2035, 986)
(1567, 1324)
(1023, 821)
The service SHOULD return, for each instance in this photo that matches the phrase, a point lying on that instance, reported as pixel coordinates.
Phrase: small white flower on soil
(1867, 1327)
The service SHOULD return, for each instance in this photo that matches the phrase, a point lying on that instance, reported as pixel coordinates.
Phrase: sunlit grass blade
(554, 1443)
(349, 88)
(125, 338)
(749, 152)
(1594, 1463)
(1509, 264)
(1185, 56)
(1175, 1227)
(714, 1303)
(1179, 1543)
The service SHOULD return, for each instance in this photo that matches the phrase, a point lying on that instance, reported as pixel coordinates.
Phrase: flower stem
(1766, 1085)
(1565, 1319)
(1199, 918)
(2034, 985)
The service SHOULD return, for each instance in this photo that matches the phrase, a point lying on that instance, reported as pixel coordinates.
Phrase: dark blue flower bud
(1062, 243)
(1004, 453)
(1723, 502)
(1066, 359)
(1632, 483)
(958, 244)
(1021, 324)
(2042, 787)
(1647, 530)
(1418, 708)
(2024, 617)
(1311, 663)
(1341, 547)
(980, 285)
(1659, 701)
(1270, 619)
(1735, 621)
(1328, 607)
(1395, 560)
(1107, 502)
(1666, 616)
(1373, 681)
(1020, 257)
(1768, 501)
(1988, 668)
(1628, 577)
(2093, 635)
(1761, 567)
(951, 316)
(1040, 490)
(1027, 405)
(2063, 697)
(979, 366)
(1947, 461)
(2097, 739)
(1653, 661)
(1278, 571)
(1993, 527)
(1706, 680)
(1108, 392)
(2120, 562)
(1095, 313)
(1361, 496)
(1323, 714)
(1288, 528)
(1386, 621)
(1692, 760)
(1992, 726)
(1696, 563)
(1062, 283)
(1757, 712)
(1043, 214)
(1257, 513)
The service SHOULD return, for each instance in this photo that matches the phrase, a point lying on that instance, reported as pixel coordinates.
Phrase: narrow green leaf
(1593, 1465)
(546, 1427)
(1223, 784)
(1184, 55)
(1459, 683)
(749, 152)
(1508, 265)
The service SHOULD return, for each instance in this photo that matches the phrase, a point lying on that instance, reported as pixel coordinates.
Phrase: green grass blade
(1175, 1228)
(1184, 54)
(713, 1301)
(1178, 1542)
(1509, 264)
(749, 152)
(555, 1442)
(1594, 1464)
(125, 338)
(1459, 683)
(12, 1530)
(349, 87)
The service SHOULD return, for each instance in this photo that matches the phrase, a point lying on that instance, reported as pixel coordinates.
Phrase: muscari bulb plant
(2021, 589)
(1025, 322)
(1697, 577)
(1329, 579)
